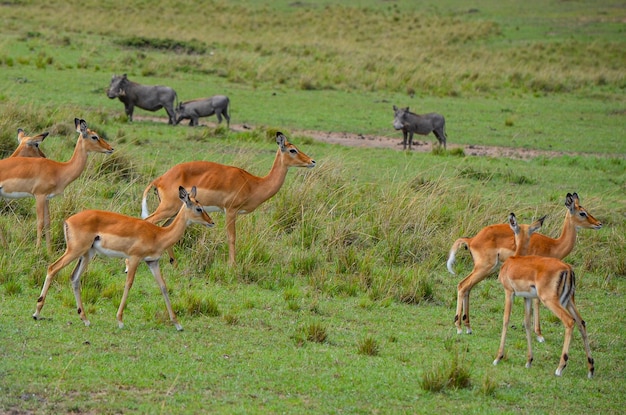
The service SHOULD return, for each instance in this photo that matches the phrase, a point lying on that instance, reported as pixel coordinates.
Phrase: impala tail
(566, 286)
(144, 201)
(452, 256)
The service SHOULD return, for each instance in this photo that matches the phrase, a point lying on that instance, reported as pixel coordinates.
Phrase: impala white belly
(527, 294)
(15, 195)
(108, 252)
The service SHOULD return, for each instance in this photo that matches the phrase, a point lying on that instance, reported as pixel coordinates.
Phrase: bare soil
(394, 143)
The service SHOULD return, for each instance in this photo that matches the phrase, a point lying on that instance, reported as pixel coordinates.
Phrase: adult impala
(43, 178)
(93, 231)
(495, 243)
(29, 146)
(548, 279)
(224, 188)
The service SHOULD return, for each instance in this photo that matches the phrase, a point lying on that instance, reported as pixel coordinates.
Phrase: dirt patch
(377, 141)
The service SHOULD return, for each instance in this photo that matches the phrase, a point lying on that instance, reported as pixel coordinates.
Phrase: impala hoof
(178, 327)
(541, 339)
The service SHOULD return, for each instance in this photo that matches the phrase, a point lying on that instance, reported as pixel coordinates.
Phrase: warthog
(203, 107)
(147, 97)
(411, 123)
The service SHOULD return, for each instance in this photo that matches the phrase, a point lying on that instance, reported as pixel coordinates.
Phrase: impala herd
(531, 262)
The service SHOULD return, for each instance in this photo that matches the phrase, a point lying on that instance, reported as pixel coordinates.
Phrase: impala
(495, 243)
(548, 279)
(223, 188)
(93, 231)
(44, 178)
(29, 146)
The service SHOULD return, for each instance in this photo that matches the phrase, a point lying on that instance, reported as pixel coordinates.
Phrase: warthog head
(399, 115)
(117, 87)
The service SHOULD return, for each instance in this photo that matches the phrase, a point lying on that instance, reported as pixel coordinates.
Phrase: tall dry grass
(335, 47)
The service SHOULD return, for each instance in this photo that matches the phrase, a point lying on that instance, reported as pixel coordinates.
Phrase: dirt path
(376, 141)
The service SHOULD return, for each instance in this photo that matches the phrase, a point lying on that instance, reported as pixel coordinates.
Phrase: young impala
(223, 188)
(550, 280)
(495, 243)
(44, 178)
(29, 146)
(92, 231)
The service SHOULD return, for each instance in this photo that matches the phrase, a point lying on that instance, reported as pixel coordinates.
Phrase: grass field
(341, 301)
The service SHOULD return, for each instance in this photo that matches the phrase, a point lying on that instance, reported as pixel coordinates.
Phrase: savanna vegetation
(340, 301)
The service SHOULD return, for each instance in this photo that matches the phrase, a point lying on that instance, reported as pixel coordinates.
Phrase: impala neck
(271, 184)
(75, 166)
(565, 243)
(173, 232)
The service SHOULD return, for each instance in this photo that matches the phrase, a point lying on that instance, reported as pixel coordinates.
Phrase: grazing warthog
(147, 97)
(411, 123)
(203, 107)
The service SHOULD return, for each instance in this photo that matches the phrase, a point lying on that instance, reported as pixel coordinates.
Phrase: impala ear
(194, 191)
(536, 225)
(83, 128)
(183, 196)
(513, 223)
(281, 140)
(571, 201)
(20, 134)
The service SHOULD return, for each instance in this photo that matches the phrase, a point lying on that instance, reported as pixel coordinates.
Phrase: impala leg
(464, 287)
(527, 312)
(568, 321)
(46, 225)
(536, 304)
(80, 267)
(53, 270)
(231, 217)
(130, 278)
(508, 302)
(582, 327)
(40, 205)
(156, 271)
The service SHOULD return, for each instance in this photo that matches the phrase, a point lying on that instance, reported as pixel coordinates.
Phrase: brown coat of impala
(548, 279)
(44, 178)
(224, 188)
(494, 244)
(92, 232)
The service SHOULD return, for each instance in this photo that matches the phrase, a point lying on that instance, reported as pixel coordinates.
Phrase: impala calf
(495, 243)
(43, 178)
(29, 146)
(222, 188)
(550, 280)
(92, 231)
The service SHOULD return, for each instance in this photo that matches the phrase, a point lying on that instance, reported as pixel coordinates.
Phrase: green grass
(341, 302)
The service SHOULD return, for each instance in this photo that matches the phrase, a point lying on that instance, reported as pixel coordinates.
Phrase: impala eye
(583, 214)
(293, 151)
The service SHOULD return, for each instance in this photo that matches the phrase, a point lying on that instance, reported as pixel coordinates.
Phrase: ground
(374, 141)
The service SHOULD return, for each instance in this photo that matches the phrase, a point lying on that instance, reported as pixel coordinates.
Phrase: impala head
(523, 232)
(579, 215)
(196, 213)
(117, 88)
(398, 117)
(29, 146)
(93, 141)
(294, 157)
